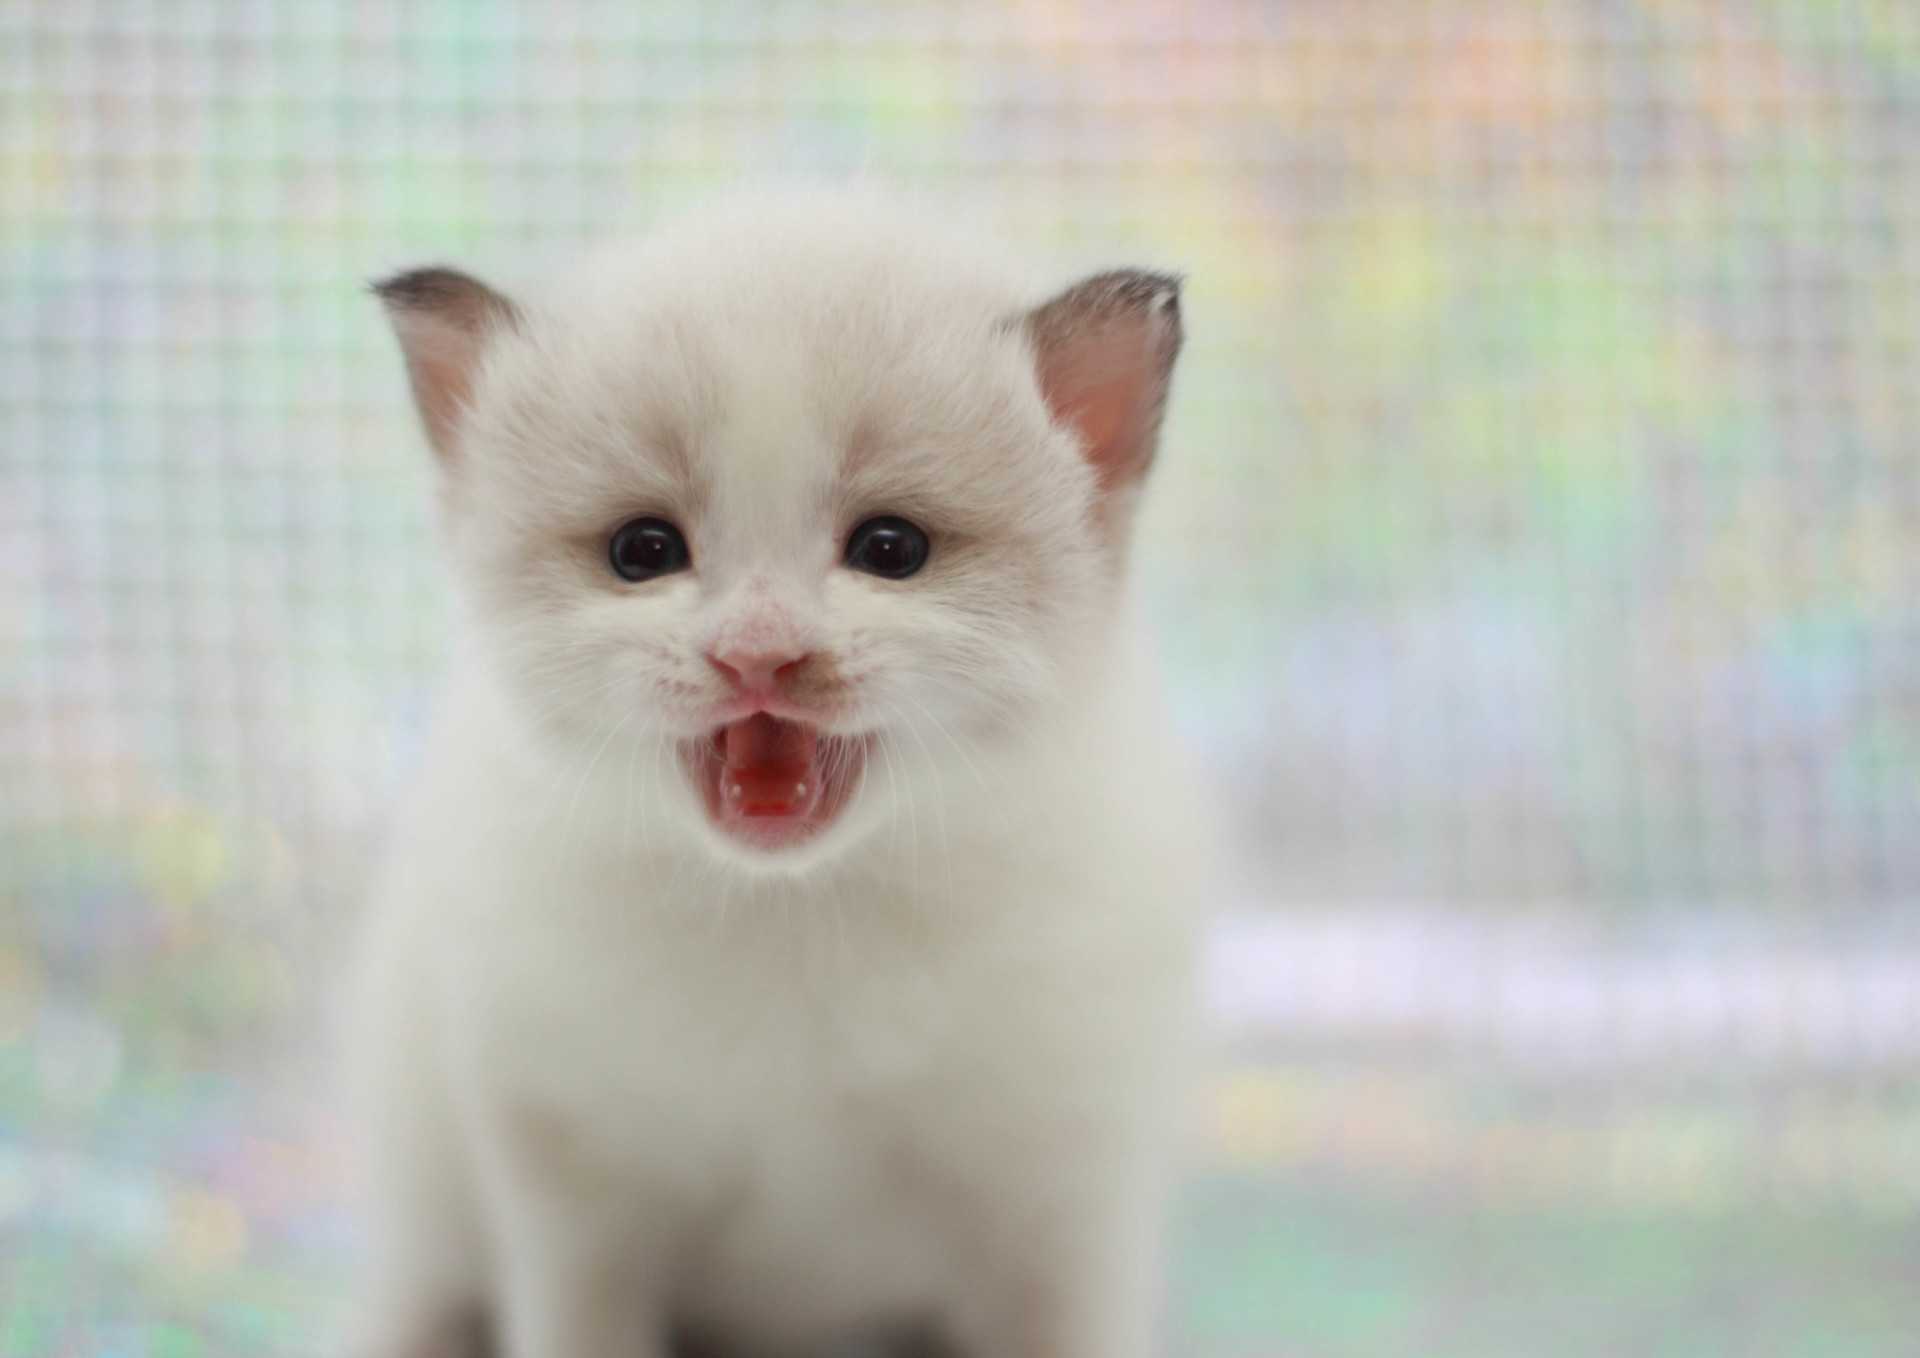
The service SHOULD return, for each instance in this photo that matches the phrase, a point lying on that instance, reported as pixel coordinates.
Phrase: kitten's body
(618, 1072)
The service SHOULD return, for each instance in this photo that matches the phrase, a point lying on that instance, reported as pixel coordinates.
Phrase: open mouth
(772, 783)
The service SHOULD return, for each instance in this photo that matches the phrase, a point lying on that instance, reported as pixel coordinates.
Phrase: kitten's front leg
(1054, 1317)
(1087, 1309)
(576, 1269)
(565, 1292)
(1086, 1294)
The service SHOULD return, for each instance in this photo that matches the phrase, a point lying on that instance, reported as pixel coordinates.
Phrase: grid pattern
(1540, 526)
(1546, 485)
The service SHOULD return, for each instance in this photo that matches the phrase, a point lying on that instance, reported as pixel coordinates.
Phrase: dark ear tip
(1158, 295)
(421, 289)
(1163, 293)
(1171, 285)
(1121, 290)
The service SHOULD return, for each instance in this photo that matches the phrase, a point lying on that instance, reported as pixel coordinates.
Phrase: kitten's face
(772, 543)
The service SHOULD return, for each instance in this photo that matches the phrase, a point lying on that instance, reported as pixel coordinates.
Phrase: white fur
(611, 1070)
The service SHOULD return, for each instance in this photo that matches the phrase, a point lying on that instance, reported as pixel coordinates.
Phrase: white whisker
(586, 772)
(940, 812)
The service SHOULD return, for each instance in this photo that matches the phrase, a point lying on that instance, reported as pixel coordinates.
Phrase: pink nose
(758, 671)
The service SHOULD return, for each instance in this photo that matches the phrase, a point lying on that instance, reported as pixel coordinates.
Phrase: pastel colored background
(1537, 551)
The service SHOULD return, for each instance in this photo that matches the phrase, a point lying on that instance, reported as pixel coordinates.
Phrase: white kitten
(792, 936)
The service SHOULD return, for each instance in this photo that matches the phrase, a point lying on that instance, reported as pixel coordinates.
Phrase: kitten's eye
(887, 546)
(647, 547)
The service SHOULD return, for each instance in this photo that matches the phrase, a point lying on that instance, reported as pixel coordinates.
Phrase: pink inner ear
(1104, 352)
(443, 319)
(440, 364)
(1106, 388)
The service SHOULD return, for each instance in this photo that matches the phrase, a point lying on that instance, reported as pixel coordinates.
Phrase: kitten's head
(785, 501)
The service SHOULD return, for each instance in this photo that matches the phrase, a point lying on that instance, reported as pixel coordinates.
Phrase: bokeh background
(1537, 550)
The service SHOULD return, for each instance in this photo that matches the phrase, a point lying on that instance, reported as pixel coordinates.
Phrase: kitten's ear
(443, 319)
(1105, 349)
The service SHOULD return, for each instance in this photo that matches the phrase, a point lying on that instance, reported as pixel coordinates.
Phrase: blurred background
(1537, 550)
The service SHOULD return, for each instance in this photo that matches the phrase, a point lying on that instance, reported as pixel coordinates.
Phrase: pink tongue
(767, 768)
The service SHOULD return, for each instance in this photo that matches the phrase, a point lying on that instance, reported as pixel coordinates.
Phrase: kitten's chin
(772, 786)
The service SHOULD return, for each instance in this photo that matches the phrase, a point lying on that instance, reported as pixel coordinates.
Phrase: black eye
(887, 546)
(647, 547)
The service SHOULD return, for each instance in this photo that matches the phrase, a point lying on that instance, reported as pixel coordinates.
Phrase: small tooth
(799, 789)
(734, 791)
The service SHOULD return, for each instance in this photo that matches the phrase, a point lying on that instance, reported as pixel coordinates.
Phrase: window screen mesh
(1536, 550)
